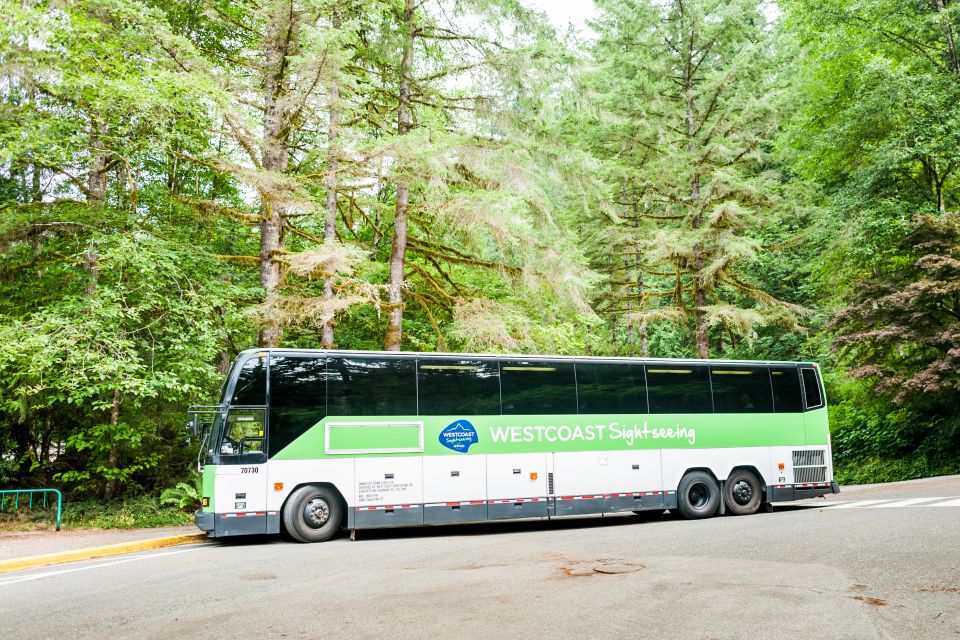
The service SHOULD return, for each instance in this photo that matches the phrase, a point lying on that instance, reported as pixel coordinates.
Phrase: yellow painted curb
(32, 562)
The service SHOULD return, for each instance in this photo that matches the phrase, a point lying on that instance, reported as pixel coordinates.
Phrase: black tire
(313, 514)
(698, 495)
(742, 493)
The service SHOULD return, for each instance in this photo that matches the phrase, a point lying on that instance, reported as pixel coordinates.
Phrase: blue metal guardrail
(16, 499)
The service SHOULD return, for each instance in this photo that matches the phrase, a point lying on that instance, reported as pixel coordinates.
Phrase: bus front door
(241, 484)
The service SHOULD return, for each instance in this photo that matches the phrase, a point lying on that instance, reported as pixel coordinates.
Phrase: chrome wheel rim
(316, 512)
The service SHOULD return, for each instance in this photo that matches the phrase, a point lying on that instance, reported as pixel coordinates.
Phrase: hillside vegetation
(183, 180)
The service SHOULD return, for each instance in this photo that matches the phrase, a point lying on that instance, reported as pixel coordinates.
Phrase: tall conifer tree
(686, 115)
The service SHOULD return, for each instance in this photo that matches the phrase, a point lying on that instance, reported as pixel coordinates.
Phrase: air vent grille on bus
(809, 466)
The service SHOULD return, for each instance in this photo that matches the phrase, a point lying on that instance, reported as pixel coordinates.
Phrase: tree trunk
(644, 346)
(22, 438)
(271, 240)
(330, 224)
(97, 179)
(96, 194)
(275, 153)
(699, 294)
(110, 488)
(35, 187)
(398, 249)
(951, 45)
(223, 362)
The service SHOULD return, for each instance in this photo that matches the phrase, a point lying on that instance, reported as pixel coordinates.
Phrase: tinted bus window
(371, 387)
(298, 398)
(611, 387)
(458, 387)
(529, 387)
(741, 389)
(812, 389)
(786, 389)
(679, 389)
(251, 387)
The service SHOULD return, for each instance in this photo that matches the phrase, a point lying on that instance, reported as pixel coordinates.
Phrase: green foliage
(184, 496)
(130, 513)
(869, 470)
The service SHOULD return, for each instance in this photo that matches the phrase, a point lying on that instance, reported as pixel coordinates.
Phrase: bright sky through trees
(565, 12)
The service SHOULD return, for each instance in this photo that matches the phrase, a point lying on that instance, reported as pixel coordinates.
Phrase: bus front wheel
(313, 514)
(742, 493)
(698, 495)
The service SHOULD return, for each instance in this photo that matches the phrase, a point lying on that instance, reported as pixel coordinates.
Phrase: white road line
(909, 502)
(51, 574)
(856, 505)
(950, 503)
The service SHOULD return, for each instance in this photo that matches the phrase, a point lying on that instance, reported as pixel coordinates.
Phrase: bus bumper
(204, 520)
(791, 492)
(221, 525)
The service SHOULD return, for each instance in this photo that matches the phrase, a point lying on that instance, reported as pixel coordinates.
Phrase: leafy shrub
(184, 496)
(129, 513)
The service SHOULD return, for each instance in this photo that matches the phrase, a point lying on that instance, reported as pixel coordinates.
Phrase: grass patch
(28, 520)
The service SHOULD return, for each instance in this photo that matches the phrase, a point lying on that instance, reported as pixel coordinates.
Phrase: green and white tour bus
(318, 441)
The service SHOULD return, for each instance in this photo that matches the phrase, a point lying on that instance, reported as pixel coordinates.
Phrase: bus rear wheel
(698, 495)
(313, 514)
(742, 493)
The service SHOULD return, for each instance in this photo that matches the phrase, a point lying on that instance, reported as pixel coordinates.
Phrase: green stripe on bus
(557, 433)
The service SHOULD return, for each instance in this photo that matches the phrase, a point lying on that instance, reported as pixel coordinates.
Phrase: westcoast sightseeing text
(611, 432)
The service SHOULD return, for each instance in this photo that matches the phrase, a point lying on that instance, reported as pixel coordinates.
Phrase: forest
(183, 180)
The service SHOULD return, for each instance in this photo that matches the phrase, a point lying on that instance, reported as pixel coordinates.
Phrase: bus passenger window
(741, 389)
(537, 386)
(679, 389)
(371, 387)
(811, 387)
(458, 387)
(786, 389)
(611, 387)
(298, 397)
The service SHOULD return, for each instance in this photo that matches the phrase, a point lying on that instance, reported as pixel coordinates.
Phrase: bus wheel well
(706, 470)
(752, 469)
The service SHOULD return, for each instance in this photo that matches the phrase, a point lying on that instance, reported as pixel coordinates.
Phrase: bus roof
(513, 356)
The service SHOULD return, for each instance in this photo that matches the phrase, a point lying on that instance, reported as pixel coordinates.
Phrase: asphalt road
(843, 568)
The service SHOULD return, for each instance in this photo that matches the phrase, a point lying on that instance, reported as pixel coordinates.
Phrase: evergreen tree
(686, 112)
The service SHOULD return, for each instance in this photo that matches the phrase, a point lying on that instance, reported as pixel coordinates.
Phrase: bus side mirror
(192, 426)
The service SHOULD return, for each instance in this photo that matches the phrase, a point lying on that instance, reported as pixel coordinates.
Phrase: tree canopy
(181, 181)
